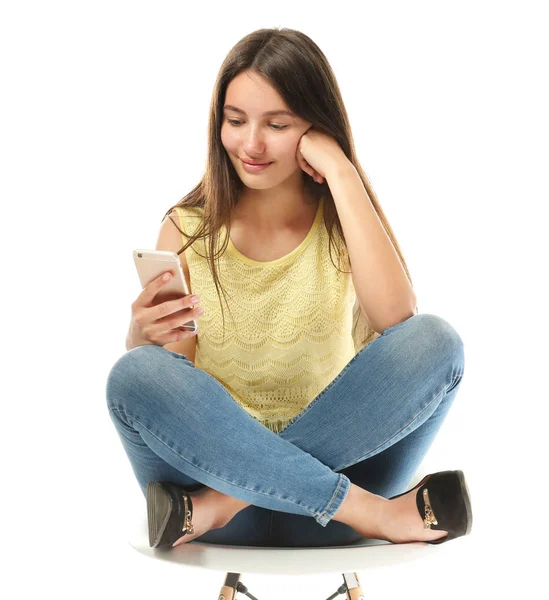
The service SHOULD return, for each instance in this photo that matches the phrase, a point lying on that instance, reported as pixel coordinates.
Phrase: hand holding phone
(163, 312)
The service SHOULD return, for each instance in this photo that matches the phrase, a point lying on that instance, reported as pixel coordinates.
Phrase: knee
(441, 337)
(126, 373)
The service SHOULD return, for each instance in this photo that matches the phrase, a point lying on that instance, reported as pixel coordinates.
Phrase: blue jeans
(372, 426)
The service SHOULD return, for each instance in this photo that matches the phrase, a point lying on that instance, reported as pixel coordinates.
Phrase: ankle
(364, 512)
(404, 523)
(223, 507)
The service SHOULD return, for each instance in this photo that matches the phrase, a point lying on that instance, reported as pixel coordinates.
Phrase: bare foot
(401, 522)
(207, 514)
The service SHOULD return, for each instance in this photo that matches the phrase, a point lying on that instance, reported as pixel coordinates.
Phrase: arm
(169, 238)
(382, 287)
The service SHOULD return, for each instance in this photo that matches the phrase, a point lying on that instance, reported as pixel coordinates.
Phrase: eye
(236, 123)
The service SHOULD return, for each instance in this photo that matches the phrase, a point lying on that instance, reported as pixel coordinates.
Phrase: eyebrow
(269, 113)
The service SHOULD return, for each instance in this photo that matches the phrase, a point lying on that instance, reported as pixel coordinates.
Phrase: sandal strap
(187, 523)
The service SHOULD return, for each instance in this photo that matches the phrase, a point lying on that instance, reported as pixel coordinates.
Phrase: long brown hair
(296, 67)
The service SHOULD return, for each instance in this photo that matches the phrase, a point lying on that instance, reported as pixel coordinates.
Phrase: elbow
(398, 317)
(392, 322)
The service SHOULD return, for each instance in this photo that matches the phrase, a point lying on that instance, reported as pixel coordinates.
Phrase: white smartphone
(151, 264)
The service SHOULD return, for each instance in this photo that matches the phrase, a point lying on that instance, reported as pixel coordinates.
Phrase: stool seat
(358, 556)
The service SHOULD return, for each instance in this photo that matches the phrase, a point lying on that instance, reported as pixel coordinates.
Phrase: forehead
(267, 113)
(251, 94)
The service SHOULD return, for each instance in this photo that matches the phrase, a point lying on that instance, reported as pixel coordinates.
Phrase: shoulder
(183, 214)
(177, 221)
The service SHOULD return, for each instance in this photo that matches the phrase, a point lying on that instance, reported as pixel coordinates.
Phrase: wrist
(340, 169)
(130, 342)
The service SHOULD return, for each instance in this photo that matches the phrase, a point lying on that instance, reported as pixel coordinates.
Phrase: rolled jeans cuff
(342, 489)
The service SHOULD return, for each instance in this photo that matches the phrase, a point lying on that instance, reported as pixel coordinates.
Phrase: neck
(275, 208)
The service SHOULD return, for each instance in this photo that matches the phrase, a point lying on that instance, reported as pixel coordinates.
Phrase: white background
(104, 110)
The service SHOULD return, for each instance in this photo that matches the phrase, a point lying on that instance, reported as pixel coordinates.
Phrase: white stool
(233, 560)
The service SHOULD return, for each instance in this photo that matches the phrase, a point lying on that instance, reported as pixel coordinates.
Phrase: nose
(254, 144)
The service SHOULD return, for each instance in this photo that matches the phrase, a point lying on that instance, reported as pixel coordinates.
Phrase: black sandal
(169, 513)
(443, 500)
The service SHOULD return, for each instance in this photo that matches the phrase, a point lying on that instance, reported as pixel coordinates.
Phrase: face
(253, 135)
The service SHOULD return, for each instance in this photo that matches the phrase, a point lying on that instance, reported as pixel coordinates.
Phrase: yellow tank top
(291, 334)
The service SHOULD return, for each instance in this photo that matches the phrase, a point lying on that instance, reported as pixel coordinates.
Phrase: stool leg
(228, 590)
(351, 588)
(354, 591)
(232, 586)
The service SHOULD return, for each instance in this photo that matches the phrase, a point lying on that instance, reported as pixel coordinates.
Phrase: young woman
(323, 393)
